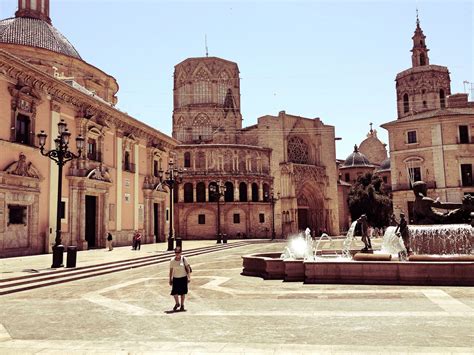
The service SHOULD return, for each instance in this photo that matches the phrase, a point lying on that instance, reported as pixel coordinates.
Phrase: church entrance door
(302, 218)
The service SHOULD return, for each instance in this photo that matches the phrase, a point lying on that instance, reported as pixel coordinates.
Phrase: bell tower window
(422, 59)
(406, 104)
(442, 99)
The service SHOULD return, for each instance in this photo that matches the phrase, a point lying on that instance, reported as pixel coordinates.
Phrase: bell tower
(424, 86)
(419, 55)
(37, 9)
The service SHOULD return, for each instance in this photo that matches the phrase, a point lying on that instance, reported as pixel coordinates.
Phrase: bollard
(224, 238)
(71, 256)
(179, 243)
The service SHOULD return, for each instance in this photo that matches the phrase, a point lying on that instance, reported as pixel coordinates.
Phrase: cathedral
(264, 181)
(271, 179)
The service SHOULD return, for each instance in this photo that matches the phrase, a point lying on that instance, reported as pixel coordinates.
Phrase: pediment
(23, 168)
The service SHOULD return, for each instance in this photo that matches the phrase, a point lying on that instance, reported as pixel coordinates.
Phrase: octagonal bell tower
(206, 101)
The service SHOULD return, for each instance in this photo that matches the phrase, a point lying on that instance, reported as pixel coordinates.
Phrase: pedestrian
(109, 241)
(134, 241)
(138, 240)
(180, 276)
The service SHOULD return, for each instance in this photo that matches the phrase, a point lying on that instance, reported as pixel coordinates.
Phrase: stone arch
(202, 129)
(243, 192)
(229, 192)
(180, 129)
(254, 192)
(188, 192)
(310, 208)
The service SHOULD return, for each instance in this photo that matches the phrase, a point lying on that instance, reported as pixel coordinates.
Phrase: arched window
(422, 59)
(442, 99)
(180, 130)
(229, 192)
(298, 151)
(406, 104)
(266, 193)
(188, 192)
(187, 159)
(243, 192)
(200, 192)
(222, 85)
(212, 196)
(202, 87)
(254, 192)
(202, 129)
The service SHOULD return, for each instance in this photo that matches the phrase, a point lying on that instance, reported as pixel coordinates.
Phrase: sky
(336, 60)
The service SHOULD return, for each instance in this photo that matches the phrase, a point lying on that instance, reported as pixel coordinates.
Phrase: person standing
(179, 278)
(109, 241)
(138, 241)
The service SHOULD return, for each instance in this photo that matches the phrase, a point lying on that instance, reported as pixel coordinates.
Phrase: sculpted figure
(424, 209)
(364, 228)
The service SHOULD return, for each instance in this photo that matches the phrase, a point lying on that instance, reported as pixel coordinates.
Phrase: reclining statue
(424, 209)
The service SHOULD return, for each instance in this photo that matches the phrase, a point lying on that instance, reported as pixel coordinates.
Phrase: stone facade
(279, 175)
(113, 184)
(432, 138)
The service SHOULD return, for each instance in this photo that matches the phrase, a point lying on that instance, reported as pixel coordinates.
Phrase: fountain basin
(420, 273)
(434, 270)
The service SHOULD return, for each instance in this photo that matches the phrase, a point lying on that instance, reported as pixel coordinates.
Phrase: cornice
(19, 70)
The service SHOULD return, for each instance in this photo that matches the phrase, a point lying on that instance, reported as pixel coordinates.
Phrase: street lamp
(61, 155)
(217, 192)
(174, 177)
(273, 200)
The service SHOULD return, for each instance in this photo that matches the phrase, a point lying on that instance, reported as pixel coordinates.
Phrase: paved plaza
(129, 311)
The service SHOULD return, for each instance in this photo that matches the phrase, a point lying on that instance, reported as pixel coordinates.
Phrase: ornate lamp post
(273, 200)
(61, 155)
(174, 177)
(217, 192)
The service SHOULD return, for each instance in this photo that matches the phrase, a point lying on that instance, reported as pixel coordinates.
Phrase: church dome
(356, 159)
(385, 165)
(35, 32)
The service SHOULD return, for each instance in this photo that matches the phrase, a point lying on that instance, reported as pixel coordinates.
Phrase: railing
(130, 167)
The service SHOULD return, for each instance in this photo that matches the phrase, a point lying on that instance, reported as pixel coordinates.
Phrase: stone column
(194, 193)
(81, 213)
(260, 191)
(105, 220)
(236, 190)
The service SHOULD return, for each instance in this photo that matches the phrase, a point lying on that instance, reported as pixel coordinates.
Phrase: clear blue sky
(336, 60)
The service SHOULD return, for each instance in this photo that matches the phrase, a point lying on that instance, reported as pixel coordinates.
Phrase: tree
(368, 196)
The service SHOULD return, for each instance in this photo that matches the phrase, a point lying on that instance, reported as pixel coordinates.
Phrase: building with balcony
(111, 187)
(432, 138)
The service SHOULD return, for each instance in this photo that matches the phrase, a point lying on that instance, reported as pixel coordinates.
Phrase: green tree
(368, 196)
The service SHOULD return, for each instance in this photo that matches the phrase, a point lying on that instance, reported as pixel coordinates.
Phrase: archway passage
(311, 211)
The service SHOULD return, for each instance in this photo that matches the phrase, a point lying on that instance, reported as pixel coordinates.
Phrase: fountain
(439, 254)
